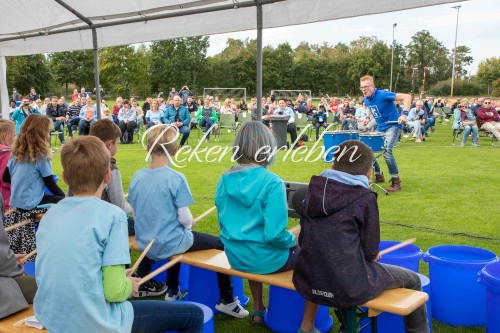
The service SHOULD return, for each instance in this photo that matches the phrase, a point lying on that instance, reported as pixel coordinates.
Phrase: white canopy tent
(44, 26)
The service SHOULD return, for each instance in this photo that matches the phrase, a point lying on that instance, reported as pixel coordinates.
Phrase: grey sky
(478, 28)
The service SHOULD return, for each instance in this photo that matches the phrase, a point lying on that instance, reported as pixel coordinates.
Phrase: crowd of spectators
(181, 109)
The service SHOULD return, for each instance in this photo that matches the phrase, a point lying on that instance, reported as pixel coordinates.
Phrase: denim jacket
(457, 117)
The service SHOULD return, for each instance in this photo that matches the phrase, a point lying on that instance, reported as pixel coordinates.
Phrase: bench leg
(351, 322)
(354, 320)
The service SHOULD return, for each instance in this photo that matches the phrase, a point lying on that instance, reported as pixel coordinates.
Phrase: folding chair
(227, 121)
(54, 134)
(302, 122)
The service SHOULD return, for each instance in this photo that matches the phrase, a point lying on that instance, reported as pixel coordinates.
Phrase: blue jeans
(467, 130)
(159, 316)
(71, 122)
(59, 126)
(391, 138)
(207, 123)
(430, 122)
(185, 133)
(83, 125)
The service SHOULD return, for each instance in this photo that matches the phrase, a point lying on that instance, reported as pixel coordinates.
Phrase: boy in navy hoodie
(339, 239)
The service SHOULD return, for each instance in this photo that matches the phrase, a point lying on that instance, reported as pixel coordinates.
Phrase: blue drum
(374, 140)
(333, 139)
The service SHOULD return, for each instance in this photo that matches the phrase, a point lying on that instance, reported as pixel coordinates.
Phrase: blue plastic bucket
(407, 257)
(489, 277)
(183, 274)
(457, 299)
(285, 311)
(29, 268)
(55, 180)
(203, 288)
(208, 318)
(391, 323)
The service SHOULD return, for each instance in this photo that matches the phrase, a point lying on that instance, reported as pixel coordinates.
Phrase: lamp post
(392, 56)
(454, 51)
(413, 70)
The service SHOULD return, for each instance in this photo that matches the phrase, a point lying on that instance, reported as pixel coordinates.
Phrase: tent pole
(4, 94)
(259, 62)
(96, 72)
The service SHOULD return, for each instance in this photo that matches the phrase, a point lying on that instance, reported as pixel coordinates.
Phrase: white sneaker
(233, 309)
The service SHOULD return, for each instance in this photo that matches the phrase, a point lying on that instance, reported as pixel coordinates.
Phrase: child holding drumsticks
(82, 248)
(339, 240)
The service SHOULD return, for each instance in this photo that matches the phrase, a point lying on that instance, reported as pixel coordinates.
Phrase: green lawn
(450, 196)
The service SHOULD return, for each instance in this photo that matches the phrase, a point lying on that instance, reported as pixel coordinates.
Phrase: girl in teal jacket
(253, 212)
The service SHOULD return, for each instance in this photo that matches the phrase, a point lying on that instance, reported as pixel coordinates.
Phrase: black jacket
(339, 242)
(53, 113)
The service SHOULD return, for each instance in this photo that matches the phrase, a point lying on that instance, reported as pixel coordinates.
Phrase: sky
(478, 28)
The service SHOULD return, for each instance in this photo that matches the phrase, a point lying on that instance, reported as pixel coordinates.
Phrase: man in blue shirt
(383, 110)
(178, 115)
(290, 127)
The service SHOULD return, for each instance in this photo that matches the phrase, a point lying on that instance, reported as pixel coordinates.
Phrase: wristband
(404, 113)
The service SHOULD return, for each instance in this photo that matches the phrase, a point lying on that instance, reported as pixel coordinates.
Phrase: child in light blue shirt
(29, 169)
(82, 248)
(160, 198)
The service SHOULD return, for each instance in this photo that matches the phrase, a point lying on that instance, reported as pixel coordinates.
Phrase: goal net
(292, 94)
(223, 93)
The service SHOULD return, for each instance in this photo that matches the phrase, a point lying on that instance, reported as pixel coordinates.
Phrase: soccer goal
(223, 93)
(292, 94)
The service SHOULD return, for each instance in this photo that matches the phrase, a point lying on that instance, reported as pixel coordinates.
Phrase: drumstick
(204, 214)
(160, 270)
(29, 255)
(143, 254)
(17, 225)
(397, 246)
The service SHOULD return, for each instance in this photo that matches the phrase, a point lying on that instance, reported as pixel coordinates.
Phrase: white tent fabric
(53, 26)
(22, 17)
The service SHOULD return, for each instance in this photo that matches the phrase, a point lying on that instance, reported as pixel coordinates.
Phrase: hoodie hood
(327, 196)
(243, 183)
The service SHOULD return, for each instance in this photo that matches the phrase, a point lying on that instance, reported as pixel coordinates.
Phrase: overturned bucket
(489, 277)
(408, 256)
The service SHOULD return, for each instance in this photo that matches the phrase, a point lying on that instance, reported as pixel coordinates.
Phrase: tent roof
(47, 26)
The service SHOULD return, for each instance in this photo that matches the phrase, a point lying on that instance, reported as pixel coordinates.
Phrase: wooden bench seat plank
(399, 301)
(216, 260)
(7, 323)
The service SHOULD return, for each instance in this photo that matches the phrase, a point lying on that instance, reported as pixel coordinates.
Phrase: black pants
(129, 127)
(292, 129)
(201, 241)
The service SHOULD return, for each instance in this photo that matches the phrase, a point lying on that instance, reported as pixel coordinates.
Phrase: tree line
(424, 65)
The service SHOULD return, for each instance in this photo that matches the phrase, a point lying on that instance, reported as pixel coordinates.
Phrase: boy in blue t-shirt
(160, 197)
(82, 251)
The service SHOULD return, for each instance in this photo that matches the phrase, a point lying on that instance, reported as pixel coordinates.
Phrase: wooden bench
(7, 323)
(399, 301)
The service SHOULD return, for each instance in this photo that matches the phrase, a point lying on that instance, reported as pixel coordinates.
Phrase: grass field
(450, 196)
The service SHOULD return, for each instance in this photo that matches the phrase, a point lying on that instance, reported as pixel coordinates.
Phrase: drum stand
(372, 183)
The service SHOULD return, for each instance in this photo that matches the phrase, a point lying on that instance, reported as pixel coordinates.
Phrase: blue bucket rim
(429, 257)
(403, 255)
(488, 277)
